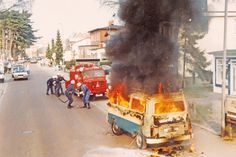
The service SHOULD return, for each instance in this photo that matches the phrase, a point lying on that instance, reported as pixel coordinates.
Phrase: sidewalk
(204, 107)
(3, 87)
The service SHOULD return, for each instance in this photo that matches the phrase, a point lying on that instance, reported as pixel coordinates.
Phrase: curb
(207, 129)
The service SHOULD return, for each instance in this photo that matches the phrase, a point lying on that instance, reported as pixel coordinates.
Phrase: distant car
(2, 77)
(33, 60)
(20, 72)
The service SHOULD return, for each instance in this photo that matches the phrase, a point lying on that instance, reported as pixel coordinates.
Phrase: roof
(112, 27)
(231, 52)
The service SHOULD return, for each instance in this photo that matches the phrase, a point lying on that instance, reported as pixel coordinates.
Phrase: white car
(20, 72)
(2, 77)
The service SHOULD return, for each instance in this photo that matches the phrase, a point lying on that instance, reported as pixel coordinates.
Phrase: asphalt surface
(33, 124)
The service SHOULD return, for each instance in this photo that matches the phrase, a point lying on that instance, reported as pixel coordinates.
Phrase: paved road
(35, 125)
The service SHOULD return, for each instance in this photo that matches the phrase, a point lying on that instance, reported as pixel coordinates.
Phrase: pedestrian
(50, 82)
(59, 89)
(86, 94)
(69, 91)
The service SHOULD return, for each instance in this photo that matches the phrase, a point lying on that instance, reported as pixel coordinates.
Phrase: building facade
(212, 43)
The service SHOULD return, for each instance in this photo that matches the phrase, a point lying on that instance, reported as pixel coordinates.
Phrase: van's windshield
(93, 73)
(169, 107)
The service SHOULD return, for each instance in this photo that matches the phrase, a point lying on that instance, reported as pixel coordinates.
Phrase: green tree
(53, 50)
(48, 53)
(58, 49)
(193, 56)
(16, 32)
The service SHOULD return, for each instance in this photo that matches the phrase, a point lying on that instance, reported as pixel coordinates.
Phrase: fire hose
(64, 101)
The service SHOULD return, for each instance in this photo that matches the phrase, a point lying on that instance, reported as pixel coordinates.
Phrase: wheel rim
(115, 128)
(139, 141)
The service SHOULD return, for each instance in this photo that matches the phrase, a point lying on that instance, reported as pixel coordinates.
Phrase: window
(137, 105)
(93, 73)
(219, 72)
(234, 26)
(167, 106)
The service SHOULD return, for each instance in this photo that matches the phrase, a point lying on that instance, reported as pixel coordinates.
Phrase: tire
(141, 141)
(115, 129)
(92, 97)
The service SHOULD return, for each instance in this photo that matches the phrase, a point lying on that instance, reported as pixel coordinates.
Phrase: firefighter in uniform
(86, 94)
(69, 91)
(50, 83)
(58, 86)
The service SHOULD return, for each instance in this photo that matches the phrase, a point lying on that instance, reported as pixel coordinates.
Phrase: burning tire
(115, 129)
(141, 141)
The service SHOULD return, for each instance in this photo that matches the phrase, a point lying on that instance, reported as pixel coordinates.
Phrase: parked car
(20, 72)
(33, 60)
(2, 77)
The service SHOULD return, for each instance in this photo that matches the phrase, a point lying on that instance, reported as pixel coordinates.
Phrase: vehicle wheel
(93, 97)
(141, 141)
(115, 129)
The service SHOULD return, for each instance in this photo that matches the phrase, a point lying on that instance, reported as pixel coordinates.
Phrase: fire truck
(152, 119)
(91, 75)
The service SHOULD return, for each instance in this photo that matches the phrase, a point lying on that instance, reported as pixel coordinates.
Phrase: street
(36, 125)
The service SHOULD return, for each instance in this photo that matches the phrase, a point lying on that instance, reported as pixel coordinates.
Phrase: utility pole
(223, 131)
(184, 62)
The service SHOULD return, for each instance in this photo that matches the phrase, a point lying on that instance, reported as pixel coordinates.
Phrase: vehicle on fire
(153, 120)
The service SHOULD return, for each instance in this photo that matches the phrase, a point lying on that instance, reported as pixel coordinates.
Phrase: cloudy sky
(69, 16)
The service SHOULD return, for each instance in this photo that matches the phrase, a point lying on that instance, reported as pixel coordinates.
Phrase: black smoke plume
(145, 53)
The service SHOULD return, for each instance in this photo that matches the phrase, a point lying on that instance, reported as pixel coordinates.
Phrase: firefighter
(59, 89)
(86, 94)
(69, 91)
(50, 83)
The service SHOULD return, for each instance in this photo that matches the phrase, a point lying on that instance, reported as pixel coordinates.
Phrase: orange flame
(116, 95)
(165, 103)
(168, 105)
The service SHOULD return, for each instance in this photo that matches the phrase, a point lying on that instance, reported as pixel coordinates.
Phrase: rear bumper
(164, 140)
(20, 77)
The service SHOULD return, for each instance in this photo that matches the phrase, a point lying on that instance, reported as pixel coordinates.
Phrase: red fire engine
(91, 75)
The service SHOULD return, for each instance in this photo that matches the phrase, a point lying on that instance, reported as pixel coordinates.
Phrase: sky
(68, 16)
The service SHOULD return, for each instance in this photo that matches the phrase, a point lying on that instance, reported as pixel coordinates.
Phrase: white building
(212, 43)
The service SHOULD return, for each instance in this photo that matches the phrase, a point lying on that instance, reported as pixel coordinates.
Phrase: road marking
(27, 132)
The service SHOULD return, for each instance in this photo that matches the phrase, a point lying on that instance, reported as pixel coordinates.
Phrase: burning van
(153, 119)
